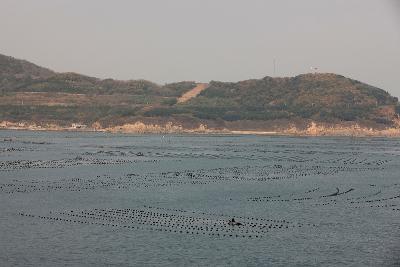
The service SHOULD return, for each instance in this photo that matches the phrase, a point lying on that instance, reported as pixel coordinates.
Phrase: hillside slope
(36, 95)
(16, 73)
(322, 96)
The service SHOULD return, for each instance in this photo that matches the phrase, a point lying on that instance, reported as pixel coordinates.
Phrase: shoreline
(142, 129)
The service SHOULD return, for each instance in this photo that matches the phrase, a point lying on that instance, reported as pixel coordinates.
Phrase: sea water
(98, 199)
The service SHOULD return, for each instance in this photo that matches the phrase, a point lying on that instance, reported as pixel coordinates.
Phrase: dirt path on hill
(193, 93)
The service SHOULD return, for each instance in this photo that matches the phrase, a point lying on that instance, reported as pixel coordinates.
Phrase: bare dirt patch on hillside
(193, 93)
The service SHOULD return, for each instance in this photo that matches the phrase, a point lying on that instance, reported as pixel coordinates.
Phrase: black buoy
(233, 222)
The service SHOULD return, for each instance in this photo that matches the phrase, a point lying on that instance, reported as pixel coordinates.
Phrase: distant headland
(36, 98)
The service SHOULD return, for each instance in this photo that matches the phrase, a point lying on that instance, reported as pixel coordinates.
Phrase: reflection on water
(102, 199)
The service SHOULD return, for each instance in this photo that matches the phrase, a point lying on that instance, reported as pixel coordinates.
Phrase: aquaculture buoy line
(376, 200)
(203, 155)
(26, 142)
(355, 161)
(247, 173)
(115, 153)
(218, 214)
(177, 222)
(338, 198)
(304, 198)
(9, 150)
(13, 165)
(276, 152)
(125, 157)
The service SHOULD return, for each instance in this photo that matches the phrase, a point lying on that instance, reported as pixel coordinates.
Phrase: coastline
(313, 129)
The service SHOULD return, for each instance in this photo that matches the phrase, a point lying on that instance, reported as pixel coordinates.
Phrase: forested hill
(322, 96)
(30, 93)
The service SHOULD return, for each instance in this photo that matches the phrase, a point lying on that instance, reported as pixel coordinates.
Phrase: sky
(202, 40)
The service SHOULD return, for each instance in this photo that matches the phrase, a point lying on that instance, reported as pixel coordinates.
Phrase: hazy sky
(203, 40)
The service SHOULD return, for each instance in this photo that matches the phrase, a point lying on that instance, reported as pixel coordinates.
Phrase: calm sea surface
(95, 199)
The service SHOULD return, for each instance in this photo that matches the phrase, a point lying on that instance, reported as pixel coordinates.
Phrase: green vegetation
(323, 97)
(397, 109)
(320, 97)
(64, 115)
